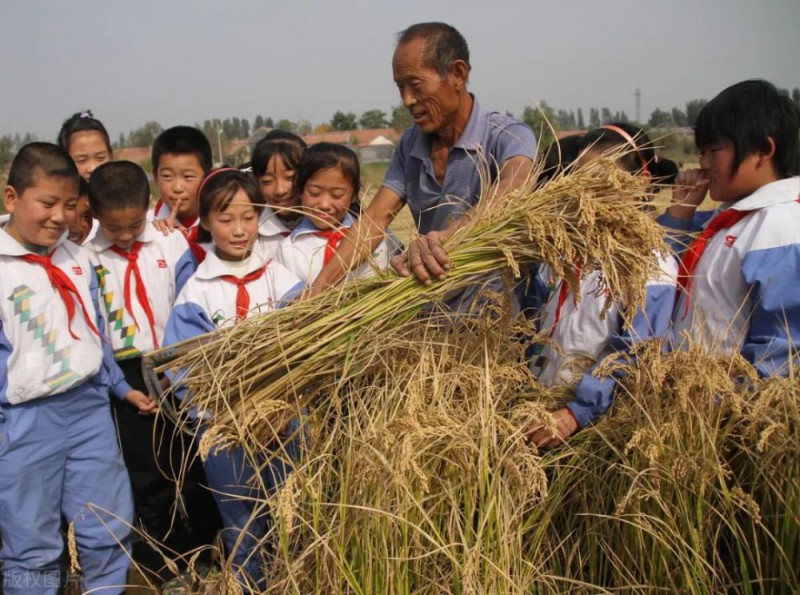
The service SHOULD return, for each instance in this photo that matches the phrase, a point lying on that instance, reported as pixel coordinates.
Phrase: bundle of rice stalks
(418, 476)
(692, 484)
(419, 479)
(261, 372)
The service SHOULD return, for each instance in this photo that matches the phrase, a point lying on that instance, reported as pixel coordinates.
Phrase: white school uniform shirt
(580, 337)
(208, 302)
(38, 356)
(92, 232)
(745, 291)
(303, 253)
(271, 232)
(165, 264)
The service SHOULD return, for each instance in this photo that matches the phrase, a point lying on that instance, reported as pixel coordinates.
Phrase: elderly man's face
(432, 100)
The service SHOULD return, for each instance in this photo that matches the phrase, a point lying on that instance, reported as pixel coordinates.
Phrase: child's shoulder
(174, 245)
(776, 225)
(69, 252)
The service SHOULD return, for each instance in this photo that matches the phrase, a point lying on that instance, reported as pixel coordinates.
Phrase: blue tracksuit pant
(231, 477)
(59, 456)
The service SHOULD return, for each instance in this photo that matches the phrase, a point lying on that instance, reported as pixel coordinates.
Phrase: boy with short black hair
(58, 448)
(141, 272)
(739, 278)
(181, 158)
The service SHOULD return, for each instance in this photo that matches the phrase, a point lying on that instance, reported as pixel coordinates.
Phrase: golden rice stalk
(590, 218)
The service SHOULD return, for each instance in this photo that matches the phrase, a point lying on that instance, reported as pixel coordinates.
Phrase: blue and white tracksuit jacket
(271, 232)
(58, 447)
(582, 338)
(745, 292)
(205, 304)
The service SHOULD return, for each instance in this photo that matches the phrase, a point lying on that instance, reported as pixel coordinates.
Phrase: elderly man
(440, 160)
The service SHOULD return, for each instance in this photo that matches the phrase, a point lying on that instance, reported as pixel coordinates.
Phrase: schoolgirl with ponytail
(580, 334)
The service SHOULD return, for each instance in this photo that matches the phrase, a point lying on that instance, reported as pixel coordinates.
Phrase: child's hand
(691, 186)
(544, 438)
(165, 226)
(168, 225)
(142, 402)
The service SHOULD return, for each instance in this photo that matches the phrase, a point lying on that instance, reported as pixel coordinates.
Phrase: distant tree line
(545, 120)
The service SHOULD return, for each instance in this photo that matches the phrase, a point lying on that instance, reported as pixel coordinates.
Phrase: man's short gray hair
(443, 45)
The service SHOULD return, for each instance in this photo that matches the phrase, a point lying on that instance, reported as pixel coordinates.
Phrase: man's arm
(426, 258)
(363, 237)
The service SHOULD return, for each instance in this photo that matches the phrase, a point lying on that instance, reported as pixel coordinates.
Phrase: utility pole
(638, 95)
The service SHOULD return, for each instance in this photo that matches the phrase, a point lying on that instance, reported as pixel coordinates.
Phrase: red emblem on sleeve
(77, 270)
(162, 264)
(729, 240)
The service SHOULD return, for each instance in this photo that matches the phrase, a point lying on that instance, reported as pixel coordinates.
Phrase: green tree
(286, 125)
(693, 108)
(304, 127)
(258, 122)
(373, 118)
(660, 117)
(581, 123)
(245, 128)
(401, 118)
(605, 116)
(144, 136)
(562, 117)
(594, 117)
(796, 96)
(542, 120)
(678, 116)
(343, 121)
(6, 152)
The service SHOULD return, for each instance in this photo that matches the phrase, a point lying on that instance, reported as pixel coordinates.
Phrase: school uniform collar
(101, 242)
(11, 247)
(306, 227)
(774, 193)
(212, 267)
(470, 139)
(269, 224)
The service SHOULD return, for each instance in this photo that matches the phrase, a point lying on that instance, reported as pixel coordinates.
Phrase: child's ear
(9, 199)
(204, 224)
(766, 155)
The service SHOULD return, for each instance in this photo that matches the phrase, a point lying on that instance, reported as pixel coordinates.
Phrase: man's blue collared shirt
(489, 140)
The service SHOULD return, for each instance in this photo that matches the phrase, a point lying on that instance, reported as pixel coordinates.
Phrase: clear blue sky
(182, 61)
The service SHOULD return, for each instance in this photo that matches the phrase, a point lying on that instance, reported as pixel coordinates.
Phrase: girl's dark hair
(328, 156)
(288, 146)
(560, 155)
(663, 171)
(747, 114)
(217, 192)
(82, 122)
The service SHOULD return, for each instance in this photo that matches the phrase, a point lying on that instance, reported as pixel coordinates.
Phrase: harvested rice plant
(416, 476)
